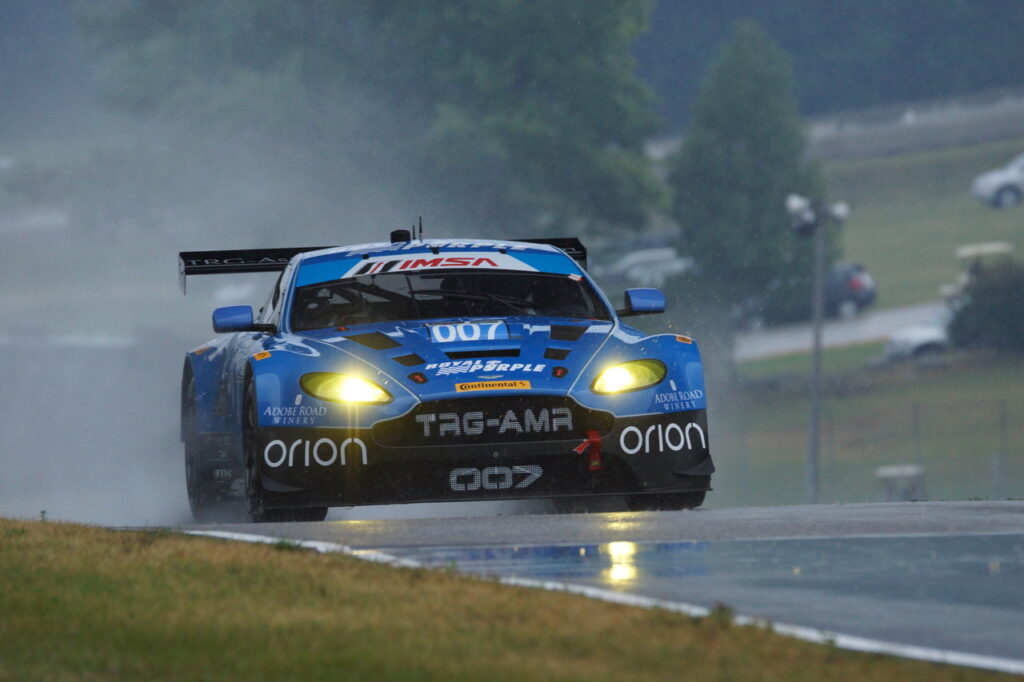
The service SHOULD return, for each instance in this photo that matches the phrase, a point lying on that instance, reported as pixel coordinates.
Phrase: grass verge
(961, 418)
(911, 211)
(833, 360)
(82, 603)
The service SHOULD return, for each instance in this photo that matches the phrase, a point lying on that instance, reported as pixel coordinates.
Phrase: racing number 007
(493, 478)
(468, 331)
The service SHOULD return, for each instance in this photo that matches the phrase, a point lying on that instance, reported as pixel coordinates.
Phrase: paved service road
(947, 576)
(875, 325)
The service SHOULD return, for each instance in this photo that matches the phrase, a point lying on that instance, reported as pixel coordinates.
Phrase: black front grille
(498, 419)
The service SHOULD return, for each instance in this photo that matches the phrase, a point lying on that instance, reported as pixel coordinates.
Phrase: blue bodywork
(658, 434)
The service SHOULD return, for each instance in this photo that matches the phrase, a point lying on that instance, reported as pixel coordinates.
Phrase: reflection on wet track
(945, 576)
(609, 564)
(906, 589)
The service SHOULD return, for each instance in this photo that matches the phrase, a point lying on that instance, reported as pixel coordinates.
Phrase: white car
(647, 267)
(920, 341)
(1003, 187)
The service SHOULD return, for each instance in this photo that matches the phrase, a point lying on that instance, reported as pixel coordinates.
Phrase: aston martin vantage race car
(436, 370)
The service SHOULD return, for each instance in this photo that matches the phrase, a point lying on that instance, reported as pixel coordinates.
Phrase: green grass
(81, 603)
(833, 360)
(948, 417)
(910, 212)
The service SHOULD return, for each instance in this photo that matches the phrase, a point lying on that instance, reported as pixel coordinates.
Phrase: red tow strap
(592, 448)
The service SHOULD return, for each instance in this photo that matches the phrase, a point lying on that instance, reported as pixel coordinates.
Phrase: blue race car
(436, 370)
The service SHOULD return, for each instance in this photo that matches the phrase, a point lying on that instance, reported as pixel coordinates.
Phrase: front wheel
(255, 504)
(1007, 197)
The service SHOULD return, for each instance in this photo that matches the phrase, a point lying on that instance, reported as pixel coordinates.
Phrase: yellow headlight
(343, 388)
(630, 376)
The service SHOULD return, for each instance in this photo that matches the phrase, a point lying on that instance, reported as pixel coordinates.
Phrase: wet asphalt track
(941, 575)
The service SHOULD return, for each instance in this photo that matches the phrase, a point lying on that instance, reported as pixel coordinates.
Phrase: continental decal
(517, 385)
(263, 355)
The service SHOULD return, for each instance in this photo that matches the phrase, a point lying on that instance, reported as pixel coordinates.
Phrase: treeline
(847, 54)
(494, 117)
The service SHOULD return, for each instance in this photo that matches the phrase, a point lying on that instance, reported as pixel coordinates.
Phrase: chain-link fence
(936, 447)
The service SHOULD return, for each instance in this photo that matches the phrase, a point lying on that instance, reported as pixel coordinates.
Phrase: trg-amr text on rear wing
(238, 261)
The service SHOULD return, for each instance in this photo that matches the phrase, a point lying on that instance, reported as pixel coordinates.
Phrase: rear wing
(572, 246)
(273, 260)
(248, 260)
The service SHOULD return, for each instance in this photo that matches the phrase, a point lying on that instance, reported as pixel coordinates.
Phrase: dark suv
(849, 288)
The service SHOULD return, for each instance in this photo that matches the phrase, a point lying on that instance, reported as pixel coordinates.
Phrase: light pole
(810, 219)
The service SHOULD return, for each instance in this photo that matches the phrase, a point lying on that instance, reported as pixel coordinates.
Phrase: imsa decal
(455, 259)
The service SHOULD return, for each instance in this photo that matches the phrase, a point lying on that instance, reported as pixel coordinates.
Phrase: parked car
(919, 341)
(646, 267)
(1002, 187)
(849, 289)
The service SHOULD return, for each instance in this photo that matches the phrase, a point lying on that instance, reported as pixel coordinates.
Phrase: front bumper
(347, 467)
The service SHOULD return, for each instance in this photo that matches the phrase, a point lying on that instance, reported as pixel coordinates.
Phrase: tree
(512, 116)
(742, 155)
(991, 314)
(850, 54)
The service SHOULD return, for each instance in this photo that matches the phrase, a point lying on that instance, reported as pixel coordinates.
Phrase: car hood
(533, 349)
(998, 176)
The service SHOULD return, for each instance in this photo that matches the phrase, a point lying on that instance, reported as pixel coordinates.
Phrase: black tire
(929, 351)
(255, 507)
(847, 309)
(665, 501)
(205, 499)
(1007, 197)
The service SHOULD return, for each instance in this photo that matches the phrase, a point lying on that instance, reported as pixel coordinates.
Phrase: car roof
(431, 254)
(421, 245)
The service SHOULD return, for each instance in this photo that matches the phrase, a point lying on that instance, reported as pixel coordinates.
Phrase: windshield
(401, 296)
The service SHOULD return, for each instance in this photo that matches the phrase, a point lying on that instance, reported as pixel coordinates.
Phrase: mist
(131, 131)
(95, 327)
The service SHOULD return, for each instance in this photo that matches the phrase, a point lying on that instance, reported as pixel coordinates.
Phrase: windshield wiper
(518, 304)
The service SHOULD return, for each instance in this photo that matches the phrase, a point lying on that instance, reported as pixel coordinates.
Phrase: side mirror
(238, 318)
(643, 302)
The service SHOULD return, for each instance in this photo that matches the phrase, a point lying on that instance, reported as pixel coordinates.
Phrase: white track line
(851, 642)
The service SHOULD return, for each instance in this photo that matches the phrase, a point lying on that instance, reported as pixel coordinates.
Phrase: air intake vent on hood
(374, 340)
(408, 360)
(490, 353)
(556, 353)
(567, 332)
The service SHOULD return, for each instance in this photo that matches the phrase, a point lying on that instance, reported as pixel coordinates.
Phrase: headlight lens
(630, 376)
(343, 388)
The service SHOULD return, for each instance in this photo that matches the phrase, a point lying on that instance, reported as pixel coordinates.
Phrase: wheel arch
(1007, 188)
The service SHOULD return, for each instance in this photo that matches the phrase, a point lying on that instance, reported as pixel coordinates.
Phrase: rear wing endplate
(230, 262)
(572, 246)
